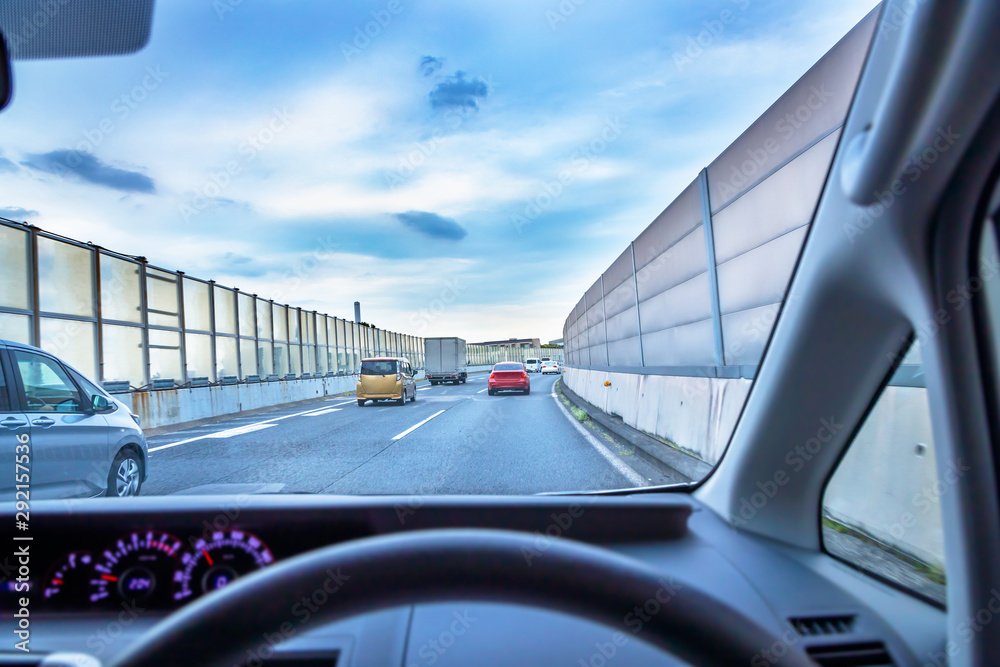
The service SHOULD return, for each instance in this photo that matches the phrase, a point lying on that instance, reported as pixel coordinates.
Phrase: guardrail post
(713, 273)
(99, 334)
(183, 325)
(604, 311)
(144, 309)
(638, 318)
(236, 316)
(211, 320)
(36, 307)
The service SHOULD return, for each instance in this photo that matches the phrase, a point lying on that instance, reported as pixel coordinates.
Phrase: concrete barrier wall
(177, 406)
(695, 414)
(156, 409)
(886, 486)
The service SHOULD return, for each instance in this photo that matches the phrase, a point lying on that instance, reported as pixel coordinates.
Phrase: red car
(509, 375)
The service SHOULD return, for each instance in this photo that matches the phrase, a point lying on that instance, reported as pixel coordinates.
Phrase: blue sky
(278, 148)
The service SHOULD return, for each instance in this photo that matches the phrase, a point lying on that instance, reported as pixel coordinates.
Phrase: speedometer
(68, 581)
(214, 562)
(137, 568)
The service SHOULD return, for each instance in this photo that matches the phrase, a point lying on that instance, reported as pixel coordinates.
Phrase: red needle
(108, 577)
(207, 557)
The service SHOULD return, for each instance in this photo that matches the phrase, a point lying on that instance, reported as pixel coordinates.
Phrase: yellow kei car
(386, 378)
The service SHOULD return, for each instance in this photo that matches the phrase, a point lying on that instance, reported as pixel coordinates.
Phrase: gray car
(77, 440)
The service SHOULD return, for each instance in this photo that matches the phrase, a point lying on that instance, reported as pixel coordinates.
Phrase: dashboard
(107, 571)
(156, 561)
(152, 568)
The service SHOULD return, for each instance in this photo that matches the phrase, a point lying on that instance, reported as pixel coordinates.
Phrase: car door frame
(13, 410)
(410, 382)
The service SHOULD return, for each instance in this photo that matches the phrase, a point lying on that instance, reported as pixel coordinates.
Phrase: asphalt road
(473, 443)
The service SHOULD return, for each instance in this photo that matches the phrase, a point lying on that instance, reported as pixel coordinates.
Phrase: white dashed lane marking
(249, 428)
(240, 430)
(417, 425)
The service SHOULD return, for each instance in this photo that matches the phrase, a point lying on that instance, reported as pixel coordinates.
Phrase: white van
(532, 365)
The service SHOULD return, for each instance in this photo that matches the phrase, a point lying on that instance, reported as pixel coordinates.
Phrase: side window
(47, 387)
(89, 389)
(881, 508)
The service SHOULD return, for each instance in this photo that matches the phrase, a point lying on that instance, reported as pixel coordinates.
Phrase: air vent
(821, 626)
(862, 654)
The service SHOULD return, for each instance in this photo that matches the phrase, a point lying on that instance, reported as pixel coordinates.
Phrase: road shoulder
(671, 464)
(620, 454)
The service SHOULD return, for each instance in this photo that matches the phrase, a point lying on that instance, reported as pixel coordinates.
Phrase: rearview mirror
(100, 403)
(36, 29)
(6, 80)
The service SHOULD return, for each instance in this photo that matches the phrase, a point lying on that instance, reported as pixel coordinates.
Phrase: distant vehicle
(386, 378)
(509, 375)
(533, 365)
(445, 360)
(83, 441)
(550, 367)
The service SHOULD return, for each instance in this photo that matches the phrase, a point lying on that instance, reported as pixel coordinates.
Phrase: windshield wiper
(663, 488)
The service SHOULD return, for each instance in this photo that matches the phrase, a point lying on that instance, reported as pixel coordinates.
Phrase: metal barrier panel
(596, 332)
(700, 288)
(758, 238)
(122, 321)
(673, 285)
(621, 313)
(813, 107)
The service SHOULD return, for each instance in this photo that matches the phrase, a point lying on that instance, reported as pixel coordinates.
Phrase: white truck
(445, 360)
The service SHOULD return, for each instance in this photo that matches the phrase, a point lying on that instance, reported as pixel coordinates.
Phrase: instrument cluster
(151, 569)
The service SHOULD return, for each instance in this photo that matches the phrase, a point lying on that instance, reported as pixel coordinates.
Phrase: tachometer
(69, 581)
(214, 562)
(137, 568)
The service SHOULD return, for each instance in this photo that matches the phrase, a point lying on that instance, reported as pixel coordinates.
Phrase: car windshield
(380, 367)
(223, 225)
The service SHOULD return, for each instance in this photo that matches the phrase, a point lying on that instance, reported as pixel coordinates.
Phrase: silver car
(76, 439)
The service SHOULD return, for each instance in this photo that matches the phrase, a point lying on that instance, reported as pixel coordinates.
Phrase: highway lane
(453, 439)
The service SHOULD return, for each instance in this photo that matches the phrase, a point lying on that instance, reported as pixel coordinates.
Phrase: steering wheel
(35, 403)
(457, 564)
(67, 405)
